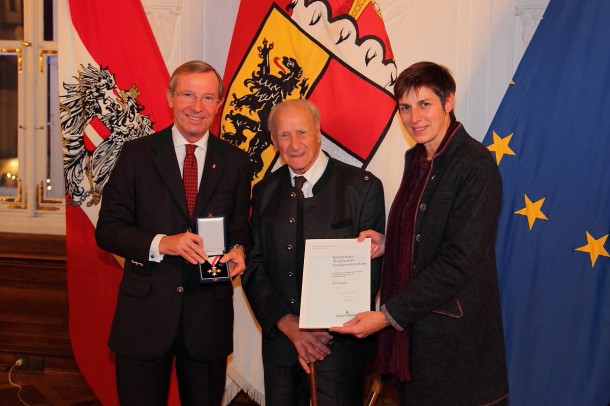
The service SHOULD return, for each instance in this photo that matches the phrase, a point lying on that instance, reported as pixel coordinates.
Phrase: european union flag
(551, 140)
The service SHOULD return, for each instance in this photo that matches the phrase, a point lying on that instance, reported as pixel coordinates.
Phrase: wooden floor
(46, 388)
(56, 388)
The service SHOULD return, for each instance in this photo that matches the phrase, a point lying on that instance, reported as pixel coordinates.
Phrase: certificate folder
(336, 281)
(212, 231)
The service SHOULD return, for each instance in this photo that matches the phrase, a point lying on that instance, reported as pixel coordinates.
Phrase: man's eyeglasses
(188, 97)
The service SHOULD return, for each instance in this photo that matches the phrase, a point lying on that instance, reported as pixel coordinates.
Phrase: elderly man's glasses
(188, 97)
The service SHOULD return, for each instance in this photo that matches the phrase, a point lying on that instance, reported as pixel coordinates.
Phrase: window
(31, 174)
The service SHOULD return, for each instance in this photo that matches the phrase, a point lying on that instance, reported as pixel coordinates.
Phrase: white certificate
(336, 281)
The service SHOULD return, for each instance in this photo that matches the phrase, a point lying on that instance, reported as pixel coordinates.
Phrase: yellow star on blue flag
(500, 146)
(532, 210)
(595, 247)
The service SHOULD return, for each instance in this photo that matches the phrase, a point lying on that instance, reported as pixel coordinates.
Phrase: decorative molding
(527, 19)
(394, 11)
(163, 20)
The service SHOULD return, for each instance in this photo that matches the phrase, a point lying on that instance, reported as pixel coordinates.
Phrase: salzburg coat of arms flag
(334, 53)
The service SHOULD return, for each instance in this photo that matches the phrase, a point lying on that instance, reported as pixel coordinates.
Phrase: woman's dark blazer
(452, 302)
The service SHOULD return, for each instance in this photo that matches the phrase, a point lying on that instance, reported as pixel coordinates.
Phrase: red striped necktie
(189, 178)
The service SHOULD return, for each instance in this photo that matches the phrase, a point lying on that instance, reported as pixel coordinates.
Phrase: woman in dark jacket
(441, 334)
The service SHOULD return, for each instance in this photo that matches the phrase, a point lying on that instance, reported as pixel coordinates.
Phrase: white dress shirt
(200, 153)
(312, 175)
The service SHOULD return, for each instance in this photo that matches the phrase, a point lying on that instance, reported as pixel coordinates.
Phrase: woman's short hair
(435, 76)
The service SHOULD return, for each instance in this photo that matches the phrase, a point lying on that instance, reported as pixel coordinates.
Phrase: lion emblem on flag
(96, 119)
(266, 90)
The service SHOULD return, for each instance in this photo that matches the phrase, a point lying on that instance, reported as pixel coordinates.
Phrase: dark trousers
(289, 386)
(146, 383)
(404, 396)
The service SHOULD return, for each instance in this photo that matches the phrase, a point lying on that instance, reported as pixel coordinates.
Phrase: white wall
(473, 38)
(479, 40)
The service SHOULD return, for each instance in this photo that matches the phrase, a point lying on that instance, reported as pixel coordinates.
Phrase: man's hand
(377, 242)
(364, 324)
(235, 260)
(312, 345)
(187, 245)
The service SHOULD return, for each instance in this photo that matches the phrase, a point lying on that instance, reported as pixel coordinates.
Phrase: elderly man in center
(338, 201)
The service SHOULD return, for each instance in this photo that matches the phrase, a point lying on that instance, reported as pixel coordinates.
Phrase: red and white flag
(335, 53)
(112, 82)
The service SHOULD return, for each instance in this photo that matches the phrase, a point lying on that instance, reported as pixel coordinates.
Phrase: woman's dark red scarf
(393, 345)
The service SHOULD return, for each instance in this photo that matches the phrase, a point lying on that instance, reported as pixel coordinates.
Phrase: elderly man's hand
(312, 345)
(235, 260)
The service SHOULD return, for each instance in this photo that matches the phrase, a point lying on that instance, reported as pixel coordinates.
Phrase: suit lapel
(213, 168)
(166, 164)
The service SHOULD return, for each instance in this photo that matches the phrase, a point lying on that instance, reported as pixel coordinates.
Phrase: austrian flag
(112, 90)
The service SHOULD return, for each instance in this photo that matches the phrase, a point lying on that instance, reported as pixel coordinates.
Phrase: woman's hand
(363, 325)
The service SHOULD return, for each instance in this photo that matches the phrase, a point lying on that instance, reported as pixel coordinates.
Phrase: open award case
(212, 231)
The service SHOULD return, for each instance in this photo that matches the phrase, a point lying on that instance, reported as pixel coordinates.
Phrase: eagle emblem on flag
(96, 118)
